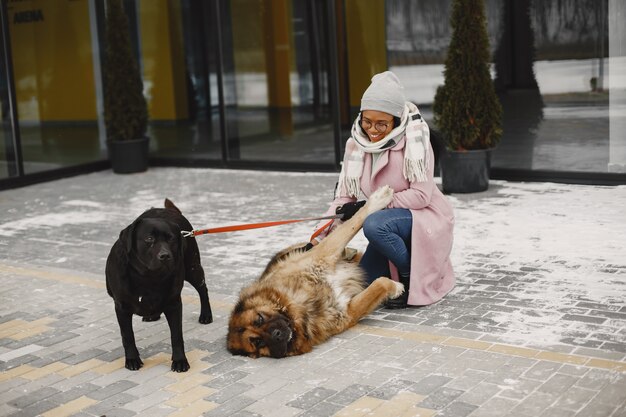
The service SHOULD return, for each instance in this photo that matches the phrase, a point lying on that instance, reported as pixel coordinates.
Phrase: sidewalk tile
(190, 396)
(70, 408)
(185, 384)
(39, 373)
(194, 409)
(361, 407)
(529, 330)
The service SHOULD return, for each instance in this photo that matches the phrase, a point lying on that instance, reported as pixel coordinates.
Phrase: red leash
(248, 226)
(320, 230)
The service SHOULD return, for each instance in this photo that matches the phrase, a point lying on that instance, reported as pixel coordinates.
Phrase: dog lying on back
(304, 297)
(145, 273)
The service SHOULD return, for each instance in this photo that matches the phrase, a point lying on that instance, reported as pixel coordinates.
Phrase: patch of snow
(51, 220)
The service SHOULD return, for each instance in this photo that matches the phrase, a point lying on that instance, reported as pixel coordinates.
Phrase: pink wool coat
(432, 276)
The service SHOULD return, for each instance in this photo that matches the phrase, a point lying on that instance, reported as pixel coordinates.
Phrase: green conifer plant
(466, 108)
(125, 107)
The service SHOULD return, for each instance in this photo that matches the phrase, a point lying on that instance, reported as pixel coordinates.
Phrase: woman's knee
(387, 221)
(373, 225)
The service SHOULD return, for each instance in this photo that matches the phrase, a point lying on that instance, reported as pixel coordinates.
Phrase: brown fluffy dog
(304, 297)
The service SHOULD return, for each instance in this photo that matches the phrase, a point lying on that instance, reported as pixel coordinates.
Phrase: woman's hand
(349, 209)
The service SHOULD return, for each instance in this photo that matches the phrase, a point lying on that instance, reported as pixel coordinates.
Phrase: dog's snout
(277, 334)
(164, 255)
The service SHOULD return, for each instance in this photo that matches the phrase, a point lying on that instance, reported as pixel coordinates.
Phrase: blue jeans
(389, 235)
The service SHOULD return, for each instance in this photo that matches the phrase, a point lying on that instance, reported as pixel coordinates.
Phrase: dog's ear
(169, 205)
(119, 257)
(239, 307)
(127, 236)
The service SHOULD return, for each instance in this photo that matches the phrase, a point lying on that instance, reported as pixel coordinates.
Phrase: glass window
(55, 55)
(617, 85)
(551, 70)
(552, 75)
(177, 57)
(8, 163)
(418, 34)
(234, 81)
(276, 66)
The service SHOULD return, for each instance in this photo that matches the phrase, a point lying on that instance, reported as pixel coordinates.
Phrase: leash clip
(186, 233)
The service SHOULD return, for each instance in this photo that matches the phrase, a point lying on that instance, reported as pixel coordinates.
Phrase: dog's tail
(169, 205)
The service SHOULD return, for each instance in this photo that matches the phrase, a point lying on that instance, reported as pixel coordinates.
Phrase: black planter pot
(129, 156)
(465, 171)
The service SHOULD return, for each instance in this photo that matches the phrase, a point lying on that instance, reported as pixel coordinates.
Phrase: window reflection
(280, 97)
(53, 48)
(550, 68)
(178, 63)
(238, 80)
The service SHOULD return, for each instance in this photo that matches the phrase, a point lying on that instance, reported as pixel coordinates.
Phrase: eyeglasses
(381, 127)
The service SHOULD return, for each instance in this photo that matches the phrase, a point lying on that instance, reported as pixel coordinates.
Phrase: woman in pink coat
(411, 240)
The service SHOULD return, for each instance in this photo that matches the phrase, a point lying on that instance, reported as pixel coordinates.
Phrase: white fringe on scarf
(416, 158)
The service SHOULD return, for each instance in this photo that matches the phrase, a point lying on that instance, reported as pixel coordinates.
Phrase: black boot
(401, 301)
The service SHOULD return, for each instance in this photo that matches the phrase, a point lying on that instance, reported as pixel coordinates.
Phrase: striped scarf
(415, 167)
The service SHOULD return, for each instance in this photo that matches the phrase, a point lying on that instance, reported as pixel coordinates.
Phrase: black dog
(145, 273)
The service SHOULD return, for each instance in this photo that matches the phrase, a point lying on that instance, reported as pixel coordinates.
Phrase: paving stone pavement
(536, 325)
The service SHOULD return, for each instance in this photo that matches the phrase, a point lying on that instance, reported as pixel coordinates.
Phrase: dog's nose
(164, 256)
(277, 334)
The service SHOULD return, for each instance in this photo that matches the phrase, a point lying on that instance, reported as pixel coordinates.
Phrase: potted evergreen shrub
(125, 107)
(466, 109)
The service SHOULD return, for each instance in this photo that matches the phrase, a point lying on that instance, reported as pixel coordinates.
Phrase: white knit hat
(385, 94)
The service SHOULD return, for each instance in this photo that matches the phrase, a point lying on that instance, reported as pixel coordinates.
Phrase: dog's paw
(181, 365)
(397, 290)
(379, 199)
(133, 364)
(205, 318)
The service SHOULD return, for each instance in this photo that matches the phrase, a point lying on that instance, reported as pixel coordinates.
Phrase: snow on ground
(570, 240)
(569, 237)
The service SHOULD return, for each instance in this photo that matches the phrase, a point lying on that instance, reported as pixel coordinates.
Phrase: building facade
(276, 84)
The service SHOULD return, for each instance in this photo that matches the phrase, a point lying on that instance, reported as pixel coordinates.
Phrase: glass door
(176, 44)
(276, 70)
(55, 54)
(9, 158)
